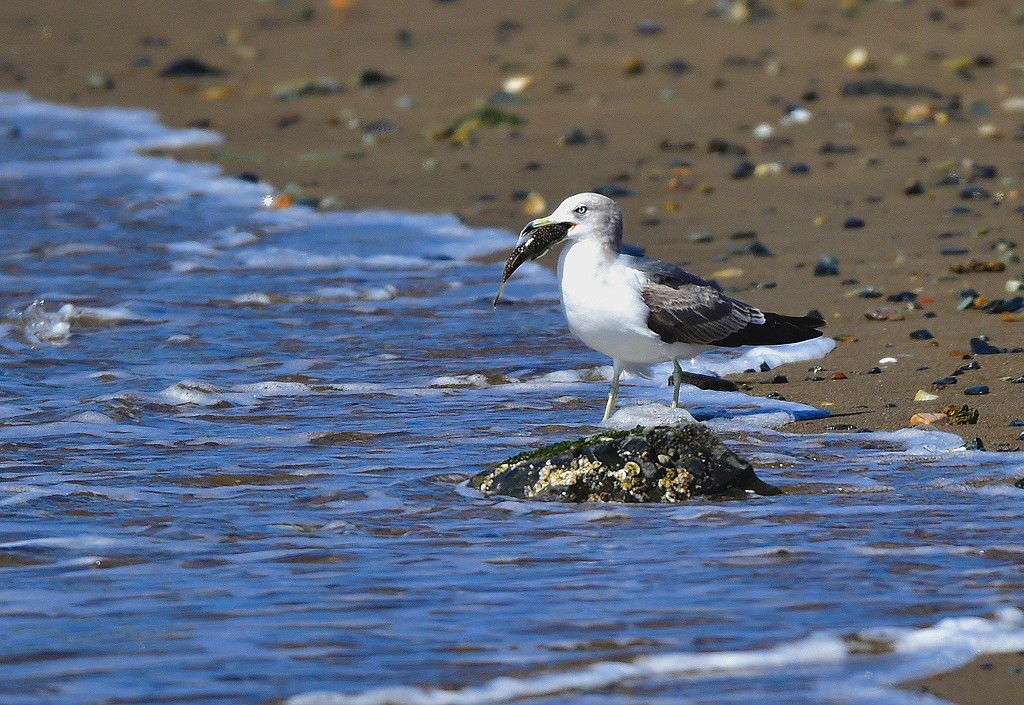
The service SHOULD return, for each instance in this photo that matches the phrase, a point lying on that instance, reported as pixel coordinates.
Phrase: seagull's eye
(581, 209)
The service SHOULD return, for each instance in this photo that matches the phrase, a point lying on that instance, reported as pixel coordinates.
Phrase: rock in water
(660, 464)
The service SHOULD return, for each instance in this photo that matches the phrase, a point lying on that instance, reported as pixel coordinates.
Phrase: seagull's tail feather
(777, 329)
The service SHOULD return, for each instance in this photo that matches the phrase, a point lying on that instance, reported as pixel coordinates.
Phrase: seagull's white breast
(604, 307)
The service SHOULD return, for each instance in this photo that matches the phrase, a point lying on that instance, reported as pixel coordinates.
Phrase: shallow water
(231, 446)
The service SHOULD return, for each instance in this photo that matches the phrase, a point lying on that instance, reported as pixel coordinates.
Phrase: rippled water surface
(231, 446)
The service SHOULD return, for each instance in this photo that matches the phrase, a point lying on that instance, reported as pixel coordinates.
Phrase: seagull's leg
(677, 379)
(613, 390)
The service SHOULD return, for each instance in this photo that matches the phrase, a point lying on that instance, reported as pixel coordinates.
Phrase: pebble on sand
(930, 418)
(827, 266)
(858, 59)
(189, 67)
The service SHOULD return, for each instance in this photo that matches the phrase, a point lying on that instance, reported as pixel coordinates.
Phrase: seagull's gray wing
(683, 308)
(699, 314)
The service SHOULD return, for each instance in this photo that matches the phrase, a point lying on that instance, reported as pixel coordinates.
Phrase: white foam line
(945, 644)
(813, 650)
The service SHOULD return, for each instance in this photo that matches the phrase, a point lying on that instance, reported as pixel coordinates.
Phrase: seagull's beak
(540, 235)
(534, 241)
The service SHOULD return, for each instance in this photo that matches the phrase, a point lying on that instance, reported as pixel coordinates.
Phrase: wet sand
(990, 679)
(907, 167)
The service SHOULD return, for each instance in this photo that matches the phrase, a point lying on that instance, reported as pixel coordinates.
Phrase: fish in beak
(536, 239)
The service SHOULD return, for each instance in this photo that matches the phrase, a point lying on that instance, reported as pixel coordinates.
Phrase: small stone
(981, 346)
(574, 138)
(648, 28)
(101, 82)
(758, 249)
(921, 334)
(838, 376)
(928, 418)
(780, 379)
(743, 170)
(854, 222)
(717, 145)
(914, 188)
(944, 382)
(903, 297)
(796, 115)
(727, 273)
(404, 39)
(966, 302)
(534, 205)
(887, 361)
(974, 193)
(983, 171)
(857, 59)
(827, 266)
(800, 168)
(885, 314)
(767, 169)
(189, 67)
(868, 292)
(887, 89)
(925, 396)
(976, 390)
(977, 444)
(371, 78)
(514, 85)
(676, 67)
(834, 148)
(634, 66)
(875, 371)
(701, 237)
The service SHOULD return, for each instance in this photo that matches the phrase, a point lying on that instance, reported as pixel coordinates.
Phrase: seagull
(640, 311)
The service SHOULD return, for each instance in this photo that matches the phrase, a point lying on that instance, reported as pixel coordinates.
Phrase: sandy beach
(860, 159)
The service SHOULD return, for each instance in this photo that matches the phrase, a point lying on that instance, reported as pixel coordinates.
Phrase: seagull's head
(585, 216)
